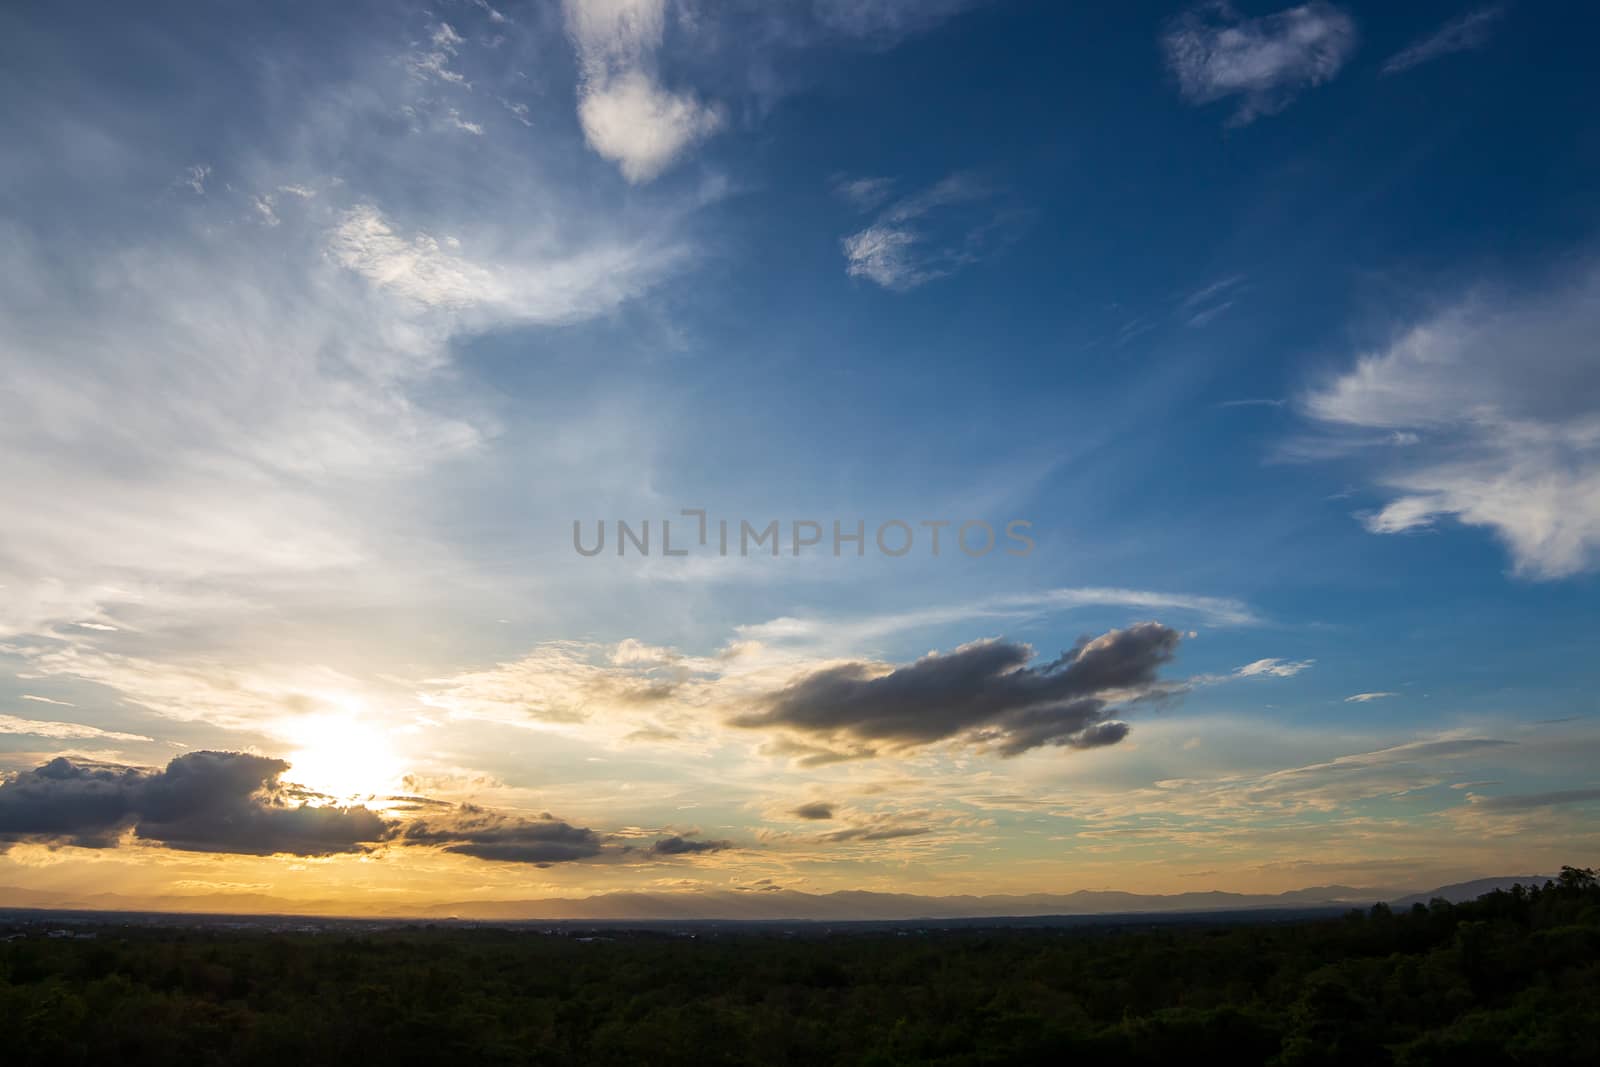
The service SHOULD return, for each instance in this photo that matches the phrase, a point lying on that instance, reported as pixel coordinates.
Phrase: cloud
(874, 832)
(919, 238)
(687, 846)
(1461, 34)
(310, 385)
(1532, 801)
(626, 114)
(489, 835)
(1266, 62)
(202, 802)
(433, 274)
(983, 693)
(195, 178)
(1326, 785)
(234, 802)
(884, 22)
(815, 810)
(1362, 698)
(1273, 668)
(558, 682)
(1498, 393)
(1203, 305)
(47, 700)
(10, 724)
(863, 194)
(435, 65)
(848, 634)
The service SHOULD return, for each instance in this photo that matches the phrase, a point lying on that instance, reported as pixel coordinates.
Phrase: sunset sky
(1271, 335)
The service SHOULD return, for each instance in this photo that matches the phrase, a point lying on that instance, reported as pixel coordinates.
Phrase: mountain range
(768, 905)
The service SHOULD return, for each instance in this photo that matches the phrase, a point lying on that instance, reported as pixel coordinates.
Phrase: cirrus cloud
(1499, 397)
(1266, 62)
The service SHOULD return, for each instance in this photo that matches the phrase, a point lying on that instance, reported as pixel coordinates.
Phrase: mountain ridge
(770, 905)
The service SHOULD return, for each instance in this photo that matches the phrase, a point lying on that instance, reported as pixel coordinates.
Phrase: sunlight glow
(344, 756)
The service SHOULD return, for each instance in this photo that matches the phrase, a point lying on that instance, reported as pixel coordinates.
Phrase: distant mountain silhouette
(1460, 891)
(771, 905)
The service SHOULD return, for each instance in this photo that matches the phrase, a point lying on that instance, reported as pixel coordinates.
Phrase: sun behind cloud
(344, 756)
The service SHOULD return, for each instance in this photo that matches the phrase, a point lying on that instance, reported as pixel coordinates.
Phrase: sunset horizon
(691, 454)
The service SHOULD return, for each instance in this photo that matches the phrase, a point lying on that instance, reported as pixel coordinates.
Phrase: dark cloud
(983, 692)
(235, 802)
(490, 835)
(202, 802)
(85, 804)
(876, 833)
(815, 810)
(760, 885)
(686, 846)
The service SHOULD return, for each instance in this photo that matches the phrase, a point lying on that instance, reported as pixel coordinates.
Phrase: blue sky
(324, 323)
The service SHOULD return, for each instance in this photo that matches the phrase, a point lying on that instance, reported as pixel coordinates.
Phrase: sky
(1181, 427)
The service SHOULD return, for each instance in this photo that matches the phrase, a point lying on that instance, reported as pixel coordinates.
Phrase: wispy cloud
(433, 63)
(1253, 402)
(847, 634)
(10, 724)
(1216, 53)
(1462, 34)
(46, 700)
(1273, 668)
(1363, 698)
(929, 235)
(1207, 303)
(1510, 445)
(1532, 801)
(863, 194)
(436, 273)
(884, 22)
(306, 357)
(195, 178)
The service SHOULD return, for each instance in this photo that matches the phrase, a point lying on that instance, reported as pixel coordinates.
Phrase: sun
(343, 756)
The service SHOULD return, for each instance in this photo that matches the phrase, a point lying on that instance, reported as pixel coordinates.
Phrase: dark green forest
(1512, 978)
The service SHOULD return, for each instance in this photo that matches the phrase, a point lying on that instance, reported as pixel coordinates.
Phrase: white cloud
(1273, 668)
(47, 700)
(264, 208)
(627, 116)
(1266, 61)
(864, 194)
(642, 128)
(887, 255)
(446, 38)
(434, 273)
(1497, 404)
(1463, 34)
(494, 15)
(425, 66)
(195, 178)
(454, 118)
(204, 416)
(520, 111)
(61, 731)
(918, 238)
(849, 635)
(1363, 698)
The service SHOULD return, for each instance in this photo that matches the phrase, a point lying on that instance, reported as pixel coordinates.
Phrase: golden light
(344, 756)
